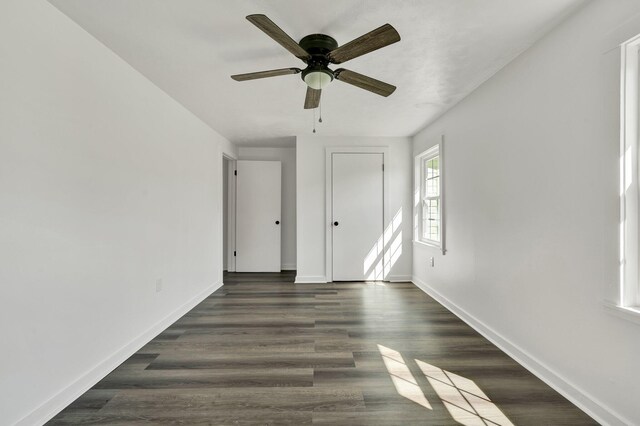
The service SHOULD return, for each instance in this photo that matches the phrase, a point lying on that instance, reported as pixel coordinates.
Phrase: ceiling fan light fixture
(318, 79)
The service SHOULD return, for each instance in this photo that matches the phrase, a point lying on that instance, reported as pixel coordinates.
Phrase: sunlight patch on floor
(404, 382)
(464, 400)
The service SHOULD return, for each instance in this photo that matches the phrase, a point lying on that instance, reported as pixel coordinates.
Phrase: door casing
(231, 216)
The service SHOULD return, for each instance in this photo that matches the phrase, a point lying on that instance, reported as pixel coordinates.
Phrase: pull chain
(320, 121)
(314, 120)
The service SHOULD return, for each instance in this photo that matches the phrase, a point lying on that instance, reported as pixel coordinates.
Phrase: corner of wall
(582, 399)
(58, 402)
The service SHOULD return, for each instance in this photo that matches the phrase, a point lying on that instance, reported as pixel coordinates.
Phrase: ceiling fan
(318, 51)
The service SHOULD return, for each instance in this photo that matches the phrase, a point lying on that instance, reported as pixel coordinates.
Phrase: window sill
(433, 246)
(628, 313)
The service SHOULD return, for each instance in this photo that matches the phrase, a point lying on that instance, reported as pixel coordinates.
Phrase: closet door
(357, 213)
(258, 229)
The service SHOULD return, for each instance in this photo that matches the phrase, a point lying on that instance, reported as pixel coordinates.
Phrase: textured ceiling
(189, 48)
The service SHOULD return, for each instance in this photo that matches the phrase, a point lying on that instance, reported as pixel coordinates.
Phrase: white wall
(288, 223)
(311, 200)
(106, 185)
(531, 177)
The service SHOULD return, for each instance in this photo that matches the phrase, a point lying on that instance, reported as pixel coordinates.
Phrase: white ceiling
(189, 48)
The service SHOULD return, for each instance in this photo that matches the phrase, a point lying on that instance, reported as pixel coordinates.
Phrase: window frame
(629, 281)
(420, 194)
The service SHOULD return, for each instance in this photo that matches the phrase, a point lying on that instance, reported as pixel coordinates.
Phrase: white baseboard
(66, 396)
(311, 279)
(288, 267)
(399, 278)
(587, 403)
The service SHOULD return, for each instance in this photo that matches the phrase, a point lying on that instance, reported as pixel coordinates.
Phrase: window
(430, 230)
(429, 206)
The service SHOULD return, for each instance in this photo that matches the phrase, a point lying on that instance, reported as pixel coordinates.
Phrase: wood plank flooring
(262, 350)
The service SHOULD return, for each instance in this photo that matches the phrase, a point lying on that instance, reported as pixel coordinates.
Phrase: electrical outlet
(432, 262)
(158, 285)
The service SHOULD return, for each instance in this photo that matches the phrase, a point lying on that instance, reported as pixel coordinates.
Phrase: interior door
(258, 193)
(357, 215)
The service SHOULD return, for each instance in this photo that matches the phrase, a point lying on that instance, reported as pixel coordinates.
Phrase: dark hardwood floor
(262, 350)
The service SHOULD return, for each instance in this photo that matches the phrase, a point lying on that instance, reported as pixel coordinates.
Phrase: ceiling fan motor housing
(318, 46)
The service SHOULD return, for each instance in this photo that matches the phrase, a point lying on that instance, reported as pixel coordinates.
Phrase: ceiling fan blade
(374, 40)
(265, 74)
(276, 33)
(313, 98)
(362, 81)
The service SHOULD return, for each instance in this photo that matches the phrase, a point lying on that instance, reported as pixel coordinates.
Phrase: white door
(357, 215)
(258, 226)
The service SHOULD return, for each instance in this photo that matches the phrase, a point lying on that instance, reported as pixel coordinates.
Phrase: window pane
(432, 177)
(433, 219)
(425, 220)
(432, 168)
(433, 187)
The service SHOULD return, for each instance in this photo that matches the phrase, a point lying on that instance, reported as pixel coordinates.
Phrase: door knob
(277, 222)
(335, 223)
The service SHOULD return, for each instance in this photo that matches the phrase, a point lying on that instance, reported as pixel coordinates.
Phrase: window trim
(436, 149)
(628, 302)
